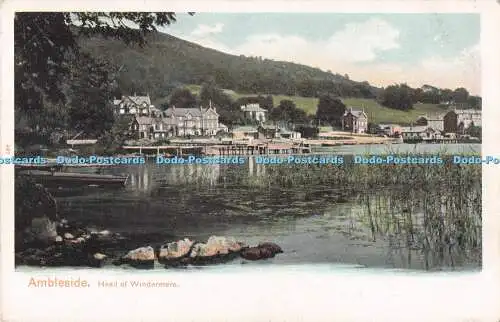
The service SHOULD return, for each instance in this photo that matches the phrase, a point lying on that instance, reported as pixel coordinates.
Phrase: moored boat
(74, 179)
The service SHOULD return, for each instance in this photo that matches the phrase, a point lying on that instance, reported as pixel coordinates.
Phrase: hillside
(166, 62)
(376, 113)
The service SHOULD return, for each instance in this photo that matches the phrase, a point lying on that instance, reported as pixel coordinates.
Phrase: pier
(224, 149)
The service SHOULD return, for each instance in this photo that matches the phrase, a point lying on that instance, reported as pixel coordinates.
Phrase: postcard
(245, 161)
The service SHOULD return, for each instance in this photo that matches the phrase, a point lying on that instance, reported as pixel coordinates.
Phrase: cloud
(358, 43)
(361, 42)
(206, 30)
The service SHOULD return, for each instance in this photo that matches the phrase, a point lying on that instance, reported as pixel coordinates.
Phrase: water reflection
(425, 226)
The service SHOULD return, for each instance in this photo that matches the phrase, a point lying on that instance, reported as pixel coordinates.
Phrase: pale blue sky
(379, 48)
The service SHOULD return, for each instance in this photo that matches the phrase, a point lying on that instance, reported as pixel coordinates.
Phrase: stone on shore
(32, 201)
(262, 251)
(216, 250)
(174, 252)
(275, 248)
(43, 229)
(143, 257)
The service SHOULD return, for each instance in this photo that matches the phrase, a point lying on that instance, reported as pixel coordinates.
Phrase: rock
(224, 244)
(31, 201)
(97, 260)
(143, 257)
(262, 251)
(68, 236)
(175, 251)
(216, 250)
(99, 256)
(275, 248)
(104, 233)
(251, 253)
(43, 229)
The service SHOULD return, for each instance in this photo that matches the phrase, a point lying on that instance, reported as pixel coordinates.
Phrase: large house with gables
(193, 121)
(152, 123)
(355, 121)
(135, 105)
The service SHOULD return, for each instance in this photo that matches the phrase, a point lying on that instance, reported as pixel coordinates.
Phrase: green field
(376, 113)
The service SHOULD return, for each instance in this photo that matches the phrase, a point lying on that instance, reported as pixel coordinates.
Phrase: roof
(415, 129)
(245, 129)
(252, 108)
(389, 125)
(268, 127)
(477, 112)
(78, 142)
(139, 100)
(433, 117)
(354, 112)
(194, 111)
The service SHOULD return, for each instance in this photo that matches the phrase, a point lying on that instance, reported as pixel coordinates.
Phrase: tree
(330, 110)
(398, 97)
(288, 112)
(91, 93)
(475, 102)
(474, 131)
(182, 98)
(45, 42)
(460, 95)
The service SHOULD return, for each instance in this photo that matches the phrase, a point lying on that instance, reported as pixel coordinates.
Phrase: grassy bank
(376, 112)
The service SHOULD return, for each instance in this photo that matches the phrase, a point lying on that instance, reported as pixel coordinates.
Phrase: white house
(254, 112)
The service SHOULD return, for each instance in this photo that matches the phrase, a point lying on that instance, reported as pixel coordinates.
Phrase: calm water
(313, 224)
(402, 148)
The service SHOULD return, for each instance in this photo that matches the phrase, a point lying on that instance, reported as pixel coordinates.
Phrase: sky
(436, 49)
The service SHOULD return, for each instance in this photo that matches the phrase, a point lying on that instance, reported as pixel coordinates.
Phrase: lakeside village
(198, 131)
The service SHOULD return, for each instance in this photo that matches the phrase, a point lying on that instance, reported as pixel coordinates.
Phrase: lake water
(314, 223)
(401, 148)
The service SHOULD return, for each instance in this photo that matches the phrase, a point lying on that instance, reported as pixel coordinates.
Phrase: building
(285, 134)
(135, 105)
(193, 121)
(418, 133)
(151, 127)
(254, 112)
(435, 121)
(467, 118)
(268, 131)
(389, 129)
(355, 121)
(453, 121)
(245, 132)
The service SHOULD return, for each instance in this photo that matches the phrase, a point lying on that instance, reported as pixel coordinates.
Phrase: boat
(42, 167)
(74, 179)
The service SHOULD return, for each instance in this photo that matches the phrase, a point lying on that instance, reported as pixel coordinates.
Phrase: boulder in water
(143, 257)
(262, 251)
(174, 252)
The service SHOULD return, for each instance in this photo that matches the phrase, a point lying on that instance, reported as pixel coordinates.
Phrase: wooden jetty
(74, 179)
(178, 150)
(224, 148)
